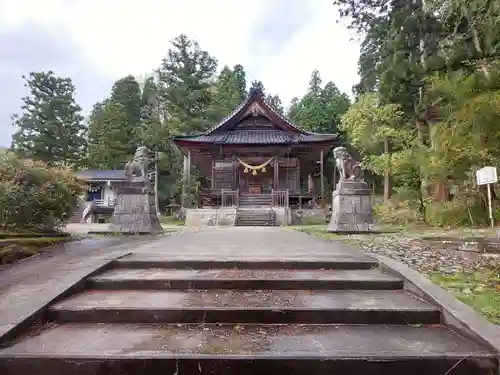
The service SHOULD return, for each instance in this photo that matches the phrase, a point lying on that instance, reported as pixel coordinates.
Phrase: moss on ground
(17, 248)
(316, 230)
(480, 290)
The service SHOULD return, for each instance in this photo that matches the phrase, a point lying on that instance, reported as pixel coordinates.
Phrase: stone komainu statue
(348, 168)
(138, 166)
(88, 211)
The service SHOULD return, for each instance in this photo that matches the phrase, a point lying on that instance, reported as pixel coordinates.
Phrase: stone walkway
(234, 301)
(27, 286)
(248, 243)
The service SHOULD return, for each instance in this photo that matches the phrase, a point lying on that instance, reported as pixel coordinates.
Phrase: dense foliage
(186, 94)
(427, 108)
(50, 127)
(34, 196)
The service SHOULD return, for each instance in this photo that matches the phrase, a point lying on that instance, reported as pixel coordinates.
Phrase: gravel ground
(411, 250)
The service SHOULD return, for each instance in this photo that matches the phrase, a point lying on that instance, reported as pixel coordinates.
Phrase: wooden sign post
(487, 176)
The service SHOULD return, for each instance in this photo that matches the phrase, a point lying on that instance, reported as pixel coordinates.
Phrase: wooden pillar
(157, 178)
(186, 176)
(276, 173)
(189, 167)
(322, 180)
(297, 176)
(235, 175)
(213, 173)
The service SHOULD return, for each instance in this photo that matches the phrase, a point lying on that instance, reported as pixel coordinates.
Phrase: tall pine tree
(50, 128)
(108, 142)
(229, 91)
(320, 109)
(127, 93)
(185, 81)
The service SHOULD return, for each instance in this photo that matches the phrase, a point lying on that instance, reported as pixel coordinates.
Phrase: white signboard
(486, 175)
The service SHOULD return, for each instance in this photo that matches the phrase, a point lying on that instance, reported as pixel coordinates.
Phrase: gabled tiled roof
(101, 175)
(252, 95)
(290, 135)
(259, 137)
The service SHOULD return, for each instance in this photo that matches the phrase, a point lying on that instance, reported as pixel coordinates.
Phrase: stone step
(334, 262)
(264, 202)
(245, 306)
(255, 217)
(255, 224)
(255, 205)
(159, 349)
(258, 217)
(234, 279)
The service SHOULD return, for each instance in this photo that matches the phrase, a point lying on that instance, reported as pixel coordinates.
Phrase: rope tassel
(255, 168)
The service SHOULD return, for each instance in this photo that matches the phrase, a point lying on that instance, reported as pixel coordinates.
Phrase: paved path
(247, 243)
(28, 286)
(156, 329)
(82, 229)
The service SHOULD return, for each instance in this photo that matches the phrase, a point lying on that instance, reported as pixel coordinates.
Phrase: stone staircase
(254, 200)
(76, 217)
(255, 217)
(148, 315)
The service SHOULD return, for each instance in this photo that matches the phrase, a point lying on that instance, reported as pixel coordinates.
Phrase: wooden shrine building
(255, 156)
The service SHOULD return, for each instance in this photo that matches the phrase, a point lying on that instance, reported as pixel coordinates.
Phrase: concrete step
(333, 262)
(234, 279)
(159, 349)
(265, 216)
(255, 224)
(264, 203)
(255, 201)
(245, 306)
(255, 217)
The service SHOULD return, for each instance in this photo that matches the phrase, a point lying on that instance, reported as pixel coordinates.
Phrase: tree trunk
(479, 50)
(387, 174)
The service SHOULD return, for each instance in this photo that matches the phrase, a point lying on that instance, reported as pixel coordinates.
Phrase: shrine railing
(105, 203)
(229, 198)
(279, 198)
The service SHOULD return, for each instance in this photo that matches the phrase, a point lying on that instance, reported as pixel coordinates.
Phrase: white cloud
(134, 36)
(131, 36)
(324, 45)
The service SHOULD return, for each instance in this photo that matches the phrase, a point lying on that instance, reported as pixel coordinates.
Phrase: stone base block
(351, 208)
(135, 212)
(196, 217)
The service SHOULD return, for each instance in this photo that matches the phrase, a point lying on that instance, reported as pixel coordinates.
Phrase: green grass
(480, 290)
(418, 231)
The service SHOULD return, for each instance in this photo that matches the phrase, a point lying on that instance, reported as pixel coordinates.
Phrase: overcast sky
(96, 42)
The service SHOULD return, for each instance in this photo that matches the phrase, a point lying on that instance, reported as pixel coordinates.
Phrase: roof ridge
(251, 94)
(230, 115)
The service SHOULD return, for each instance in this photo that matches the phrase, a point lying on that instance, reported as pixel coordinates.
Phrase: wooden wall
(227, 175)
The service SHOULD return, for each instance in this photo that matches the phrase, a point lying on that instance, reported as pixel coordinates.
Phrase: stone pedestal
(135, 210)
(351, 208)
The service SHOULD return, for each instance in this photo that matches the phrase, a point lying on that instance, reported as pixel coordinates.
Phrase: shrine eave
(260, 138)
